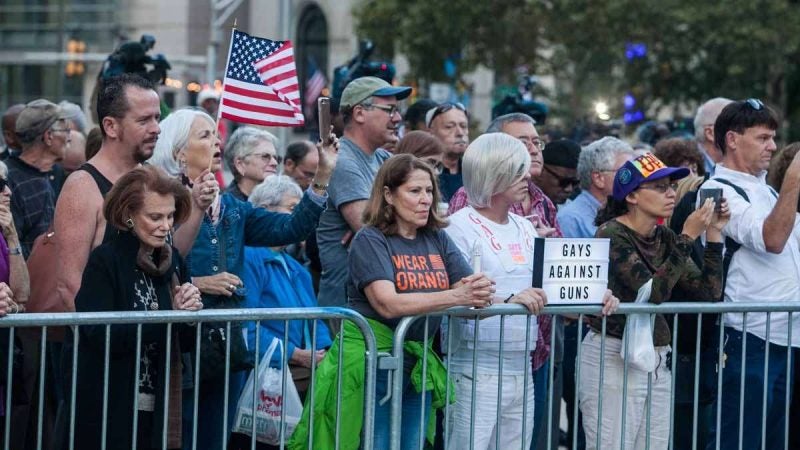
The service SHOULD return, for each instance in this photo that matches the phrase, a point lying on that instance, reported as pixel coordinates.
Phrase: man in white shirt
(765, 268)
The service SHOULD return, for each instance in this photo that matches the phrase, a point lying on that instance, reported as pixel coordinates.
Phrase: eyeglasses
(388, 109)
(532, 141)
(661, 188)
(755, 104)
(267, 157)
(563, 182)
(443, 108)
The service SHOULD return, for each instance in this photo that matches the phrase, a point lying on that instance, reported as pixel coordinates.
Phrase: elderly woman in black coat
(136, 270)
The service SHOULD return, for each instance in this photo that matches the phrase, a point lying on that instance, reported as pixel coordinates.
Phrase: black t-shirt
(428, 263)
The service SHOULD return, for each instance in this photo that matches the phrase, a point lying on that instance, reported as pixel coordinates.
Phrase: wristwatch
(318, 186)
(15, 251)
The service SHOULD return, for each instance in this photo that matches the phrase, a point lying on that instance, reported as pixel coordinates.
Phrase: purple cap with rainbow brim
(641, 170)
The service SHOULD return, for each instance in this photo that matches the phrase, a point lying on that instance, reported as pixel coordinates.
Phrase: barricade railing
(785, 310)
(42, 323)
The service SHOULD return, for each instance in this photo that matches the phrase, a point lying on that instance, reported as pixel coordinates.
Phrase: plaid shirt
(33, 199)
(543, 207)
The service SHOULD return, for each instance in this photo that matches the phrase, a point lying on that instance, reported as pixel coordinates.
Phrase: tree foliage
(696, 50)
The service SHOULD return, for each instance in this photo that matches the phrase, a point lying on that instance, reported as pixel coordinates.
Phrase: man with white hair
(597, 164)
(704, 131)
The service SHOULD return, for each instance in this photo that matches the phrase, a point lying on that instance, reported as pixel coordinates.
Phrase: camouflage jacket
(664, 256)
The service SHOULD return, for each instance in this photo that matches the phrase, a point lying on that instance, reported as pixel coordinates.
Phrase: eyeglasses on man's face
(532, 142)
(391, 110)
(563, 181)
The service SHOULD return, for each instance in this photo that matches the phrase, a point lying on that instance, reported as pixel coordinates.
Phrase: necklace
(145, 293)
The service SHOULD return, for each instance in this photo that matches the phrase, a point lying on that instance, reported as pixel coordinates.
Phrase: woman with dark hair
(641, 250)
(401, 264)
(136, 270)
(679, 152)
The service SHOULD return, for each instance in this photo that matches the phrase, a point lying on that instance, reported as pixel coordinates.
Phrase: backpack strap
(731, 246)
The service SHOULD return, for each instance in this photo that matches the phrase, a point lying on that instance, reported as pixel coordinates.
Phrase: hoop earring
(129, 223)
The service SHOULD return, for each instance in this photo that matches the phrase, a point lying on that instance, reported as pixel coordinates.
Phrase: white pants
(636, 399)
(485, 422)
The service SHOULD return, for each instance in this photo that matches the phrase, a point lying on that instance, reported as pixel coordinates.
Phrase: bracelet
(15, 308)
(15, 251)
(318, 186)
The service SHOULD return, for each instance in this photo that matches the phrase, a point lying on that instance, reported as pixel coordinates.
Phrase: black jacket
(108, 284)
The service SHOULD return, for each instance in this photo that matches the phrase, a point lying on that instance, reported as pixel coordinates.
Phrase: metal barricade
(109, 320)
(650, 418)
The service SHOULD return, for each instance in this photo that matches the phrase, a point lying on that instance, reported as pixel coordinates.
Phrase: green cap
(363, 88)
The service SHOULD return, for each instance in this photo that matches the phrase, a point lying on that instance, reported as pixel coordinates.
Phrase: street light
(601, 109)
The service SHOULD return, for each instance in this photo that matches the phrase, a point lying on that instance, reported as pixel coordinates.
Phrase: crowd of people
(387, 219)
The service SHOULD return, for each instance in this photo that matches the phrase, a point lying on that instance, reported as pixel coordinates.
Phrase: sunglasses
(755, 104)
(443, 108)
(563, 182)
(3, 184)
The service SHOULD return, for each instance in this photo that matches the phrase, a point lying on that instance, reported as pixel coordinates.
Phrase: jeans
(684, 397)
(571, 342)
(410, 431)
(754, 412)
(540, 378)
(211, 411)
(647, 414)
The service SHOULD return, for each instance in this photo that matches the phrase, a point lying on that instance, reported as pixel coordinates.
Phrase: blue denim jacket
(241, 224)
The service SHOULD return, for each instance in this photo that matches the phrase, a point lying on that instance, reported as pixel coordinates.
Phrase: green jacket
(353, 381)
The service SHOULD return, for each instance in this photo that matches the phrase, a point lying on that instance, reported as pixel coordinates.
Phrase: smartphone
(712, 193)
(324, 112)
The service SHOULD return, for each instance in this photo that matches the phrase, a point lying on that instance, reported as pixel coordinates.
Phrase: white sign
(571, 271)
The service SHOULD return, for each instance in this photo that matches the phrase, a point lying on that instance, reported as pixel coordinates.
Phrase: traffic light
(75, 66)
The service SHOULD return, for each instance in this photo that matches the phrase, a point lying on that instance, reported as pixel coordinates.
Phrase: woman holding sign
(496, 172)
(642, 250)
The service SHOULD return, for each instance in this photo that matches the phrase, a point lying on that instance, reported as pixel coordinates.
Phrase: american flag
(260, 85)
(436, 262)
(314, 85)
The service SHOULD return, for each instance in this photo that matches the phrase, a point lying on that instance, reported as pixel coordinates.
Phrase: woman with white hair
(496, 172)
(218, 234)
(251, 154)
(276, 280)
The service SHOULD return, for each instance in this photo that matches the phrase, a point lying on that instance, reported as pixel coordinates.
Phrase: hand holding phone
(324, 112)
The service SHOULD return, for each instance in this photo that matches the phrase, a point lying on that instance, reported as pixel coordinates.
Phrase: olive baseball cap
(363, 88)
(37, 117)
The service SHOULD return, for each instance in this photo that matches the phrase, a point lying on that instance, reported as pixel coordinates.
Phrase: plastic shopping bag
(269, 401)
(638, 334)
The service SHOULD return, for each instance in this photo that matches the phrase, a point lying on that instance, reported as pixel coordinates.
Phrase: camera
(358, 67)
(522, 102)
(132, 57)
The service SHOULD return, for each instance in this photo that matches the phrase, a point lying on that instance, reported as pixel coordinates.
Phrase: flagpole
(219, 106)
(286, 27)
